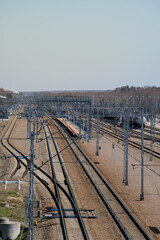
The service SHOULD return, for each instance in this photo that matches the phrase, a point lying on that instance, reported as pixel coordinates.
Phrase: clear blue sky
(78, 45)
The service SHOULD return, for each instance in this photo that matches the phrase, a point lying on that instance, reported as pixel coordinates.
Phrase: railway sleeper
(85, 213)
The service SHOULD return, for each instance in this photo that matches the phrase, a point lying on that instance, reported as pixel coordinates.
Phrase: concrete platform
(76, 127)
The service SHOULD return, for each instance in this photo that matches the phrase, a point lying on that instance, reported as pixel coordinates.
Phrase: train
(134, 122)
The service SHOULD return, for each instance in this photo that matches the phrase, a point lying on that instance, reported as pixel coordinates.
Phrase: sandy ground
(110, 164)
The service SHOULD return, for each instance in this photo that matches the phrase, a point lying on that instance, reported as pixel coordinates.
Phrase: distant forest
(124, 96)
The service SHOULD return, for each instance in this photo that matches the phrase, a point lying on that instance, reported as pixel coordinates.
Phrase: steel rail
(52, 194)
(56, 190)
(116, 196)
(85, 235)
(42, 171)
(146, 136)
(40, 179)
(27, 167)
(121, 227)
(131, 143)
(17, 158)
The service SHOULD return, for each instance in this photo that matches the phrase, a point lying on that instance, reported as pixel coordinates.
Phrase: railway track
(119, 136)
(58, 189)
(14, 152)
(8, 146)
(135, 133)
(125, 221)
(26, 165)
(71, 206)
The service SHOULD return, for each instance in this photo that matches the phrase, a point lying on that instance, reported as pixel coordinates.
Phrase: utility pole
(80, 121)
(125, 142)
(102, 119)
(97, 142)
(31, 188)
(152, 132)
(90, 110)
(158, 108)
(28, 125)
(142, 163)
(146, 108)
(37, 129)
(85, 125)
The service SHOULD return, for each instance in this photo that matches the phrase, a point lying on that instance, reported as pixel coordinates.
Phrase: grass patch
(16, 210)
(17, 205)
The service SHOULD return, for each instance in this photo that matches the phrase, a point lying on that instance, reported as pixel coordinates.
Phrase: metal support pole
(88, 127)
(124, 144)
(103, 121)
(152, 132)
(97, 142)
(37, 130)
(73, 113)
(80, 122)
(28, 132)
(29, 125)
(90, 111)
(158, 108)
(31, 189)
(146, 107)
(127, 121)
(27, 128)
(85, 125)
(142, 163)
(125, 140)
